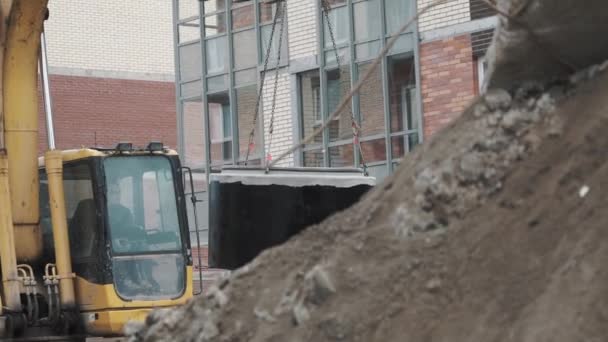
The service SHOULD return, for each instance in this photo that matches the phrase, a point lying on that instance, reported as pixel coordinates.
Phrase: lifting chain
(280, 9)
(326, 7)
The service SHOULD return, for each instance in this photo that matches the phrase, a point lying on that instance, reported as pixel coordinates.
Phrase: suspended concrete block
(251, 210)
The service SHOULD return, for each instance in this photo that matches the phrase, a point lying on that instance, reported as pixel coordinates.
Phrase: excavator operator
(125, 233)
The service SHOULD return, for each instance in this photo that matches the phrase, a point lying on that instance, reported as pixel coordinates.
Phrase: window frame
(352, 60)
(235, 77)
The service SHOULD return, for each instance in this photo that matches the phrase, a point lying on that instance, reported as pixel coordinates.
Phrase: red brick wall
(448, 80)
(102, 111)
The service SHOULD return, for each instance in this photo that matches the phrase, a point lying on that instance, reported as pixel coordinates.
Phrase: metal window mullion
(178, 95)
(416, 44)
(323, 82)
(186, 43)
(386, 92)
(231, 90)
(354, 101)
(260, 56)
(205, 104)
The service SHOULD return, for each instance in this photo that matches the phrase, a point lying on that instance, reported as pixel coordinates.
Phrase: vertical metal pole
(178, 95)
(205, 111)
(323, 82)
(354, 75)
(231, 91)
(386, 94)
(261, 143)
(419, 107)
(46, 92)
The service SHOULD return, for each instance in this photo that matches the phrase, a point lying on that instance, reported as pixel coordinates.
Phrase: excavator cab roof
(154, 148)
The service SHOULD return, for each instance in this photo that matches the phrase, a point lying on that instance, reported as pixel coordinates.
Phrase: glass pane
(338, 18)
(246, 98)
(378, 171)
(310, 104)
(190, 63)
(245, 77)
(343, 54)
(243, 16)
(220, 123)
(150, 277)
(312, 158)
(404, 43)
(398, 146)
(217, 83)
(188, 8)
(220, 127)
(267, 12)
(136, 225)
(189, 31)
(80, 209)
(367, 15)
(245, 49)
(266, 30)
(221, 153)
(402, 93)
(338, 85)
(398, 12)
(341, 156)
(374, 150)
(191, 89)
(215, 24)
(368, 50)
(217, 55)
(371, 102)
(403, 144)
(414, 140)
(211, 6)
(193, 134)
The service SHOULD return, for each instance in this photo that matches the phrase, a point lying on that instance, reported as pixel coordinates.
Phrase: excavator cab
(128, 233)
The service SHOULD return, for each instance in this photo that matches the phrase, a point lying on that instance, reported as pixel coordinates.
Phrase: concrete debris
(300, 314)
(217, 296)
(584, 190)
(210, 331)
(335, 329)
(433, 285)
(322, 286)
(556, 127)
(264, 315)
(133, 327)
(287, 302)
(497, 99)
(471, 167)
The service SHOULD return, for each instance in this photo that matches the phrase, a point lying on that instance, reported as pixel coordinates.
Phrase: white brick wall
(302, 27)
(116, 35)
(449, 13)
(282, 138)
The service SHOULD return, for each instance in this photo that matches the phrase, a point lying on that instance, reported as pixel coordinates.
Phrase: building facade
(111, 73)
(318, 53)
(426, 79)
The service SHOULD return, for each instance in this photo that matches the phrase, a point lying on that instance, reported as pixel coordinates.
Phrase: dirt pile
(495, 230)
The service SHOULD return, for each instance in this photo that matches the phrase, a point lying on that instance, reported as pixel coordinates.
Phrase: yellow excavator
(89, 238)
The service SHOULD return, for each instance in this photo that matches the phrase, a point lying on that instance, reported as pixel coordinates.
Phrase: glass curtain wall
(386, 108)
(220, 50)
